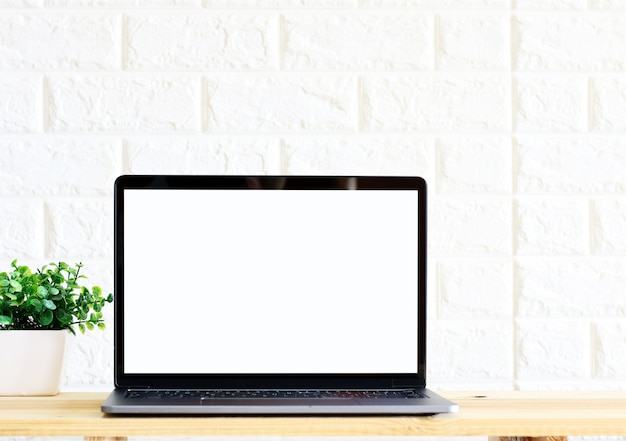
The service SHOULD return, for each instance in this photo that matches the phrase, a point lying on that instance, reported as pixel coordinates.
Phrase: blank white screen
(268, 281)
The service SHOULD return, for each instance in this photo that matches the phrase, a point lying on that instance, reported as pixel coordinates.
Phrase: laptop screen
(269, 277)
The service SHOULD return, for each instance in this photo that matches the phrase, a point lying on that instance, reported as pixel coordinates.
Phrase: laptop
(265, 295)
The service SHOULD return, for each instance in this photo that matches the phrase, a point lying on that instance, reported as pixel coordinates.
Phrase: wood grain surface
(497, 414)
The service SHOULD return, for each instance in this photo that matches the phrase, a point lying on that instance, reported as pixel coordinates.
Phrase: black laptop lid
(270, 281)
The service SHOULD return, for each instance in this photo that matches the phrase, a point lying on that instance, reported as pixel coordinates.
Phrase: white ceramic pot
(31, 361)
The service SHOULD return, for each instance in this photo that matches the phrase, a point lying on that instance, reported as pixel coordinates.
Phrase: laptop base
(426, 403)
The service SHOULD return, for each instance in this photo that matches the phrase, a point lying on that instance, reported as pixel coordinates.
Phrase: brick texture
(203, 156)
(436, 102)
(348, 41)
(113, 103)
(59, 41)
(82, 166)
(513, 110)
(569, 42)
(201, 41)
(274, 103)
(487, 49)
(21, 104)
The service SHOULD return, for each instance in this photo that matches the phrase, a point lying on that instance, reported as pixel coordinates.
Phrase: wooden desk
(528, 414)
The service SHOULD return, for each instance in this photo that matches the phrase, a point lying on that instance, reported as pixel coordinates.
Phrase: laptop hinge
(404, 384)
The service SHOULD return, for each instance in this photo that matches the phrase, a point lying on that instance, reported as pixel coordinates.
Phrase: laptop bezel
(253, 380)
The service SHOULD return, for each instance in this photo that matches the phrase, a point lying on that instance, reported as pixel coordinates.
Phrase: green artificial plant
(49, 298)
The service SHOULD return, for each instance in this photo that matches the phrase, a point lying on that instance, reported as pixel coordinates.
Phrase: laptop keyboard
(209, 394)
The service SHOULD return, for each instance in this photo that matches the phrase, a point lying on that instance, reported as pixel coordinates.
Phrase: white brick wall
(514, 110)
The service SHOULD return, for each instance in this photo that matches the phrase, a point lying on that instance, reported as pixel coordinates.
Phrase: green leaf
(36, 304)
(24, 270)
(49, 304)
(102, 326)
(63, 316)
(50, 297)
(46, 318)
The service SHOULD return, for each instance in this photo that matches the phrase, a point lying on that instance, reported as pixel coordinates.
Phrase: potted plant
(37, 311)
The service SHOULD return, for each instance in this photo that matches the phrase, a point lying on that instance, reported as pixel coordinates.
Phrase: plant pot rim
(37, 330)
